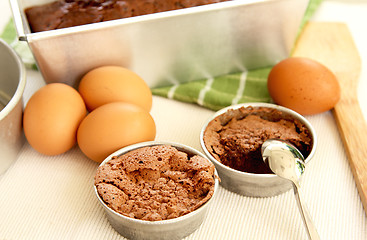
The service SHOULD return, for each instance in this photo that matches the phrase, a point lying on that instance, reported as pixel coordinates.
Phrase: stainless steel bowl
(251, 184)
(171, 229)
(12, 84)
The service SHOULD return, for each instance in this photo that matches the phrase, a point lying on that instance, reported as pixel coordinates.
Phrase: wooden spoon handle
(332, 45)
(353, 130)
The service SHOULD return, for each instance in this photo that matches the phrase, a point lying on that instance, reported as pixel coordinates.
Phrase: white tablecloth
(52, 197)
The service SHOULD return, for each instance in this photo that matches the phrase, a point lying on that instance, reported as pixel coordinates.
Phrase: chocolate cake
(235, 137)
(68, 13)
(155, 183)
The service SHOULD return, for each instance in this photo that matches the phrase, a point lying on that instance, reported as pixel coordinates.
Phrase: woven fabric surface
(52, 197)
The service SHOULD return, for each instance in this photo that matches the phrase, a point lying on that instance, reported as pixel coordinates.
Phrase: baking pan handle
(18, 20)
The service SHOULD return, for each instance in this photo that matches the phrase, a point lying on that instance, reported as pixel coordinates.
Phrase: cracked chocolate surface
(69, 13)
(235, 137)
(155, 183)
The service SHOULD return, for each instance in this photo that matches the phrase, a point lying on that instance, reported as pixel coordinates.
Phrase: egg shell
(51, 118)
(108, 84)
(303, 85)
(113, 126)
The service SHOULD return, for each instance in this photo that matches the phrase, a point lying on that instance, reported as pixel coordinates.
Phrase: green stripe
(224, 89)
(227, 83)
(256, 84)
(189, 92)
(162, 91)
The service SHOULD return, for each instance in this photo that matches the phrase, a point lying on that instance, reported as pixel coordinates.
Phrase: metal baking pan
(169, 47)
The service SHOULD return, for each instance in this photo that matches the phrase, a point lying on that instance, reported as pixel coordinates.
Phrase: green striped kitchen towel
(213, 93)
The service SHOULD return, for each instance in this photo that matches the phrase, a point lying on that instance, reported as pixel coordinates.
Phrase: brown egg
(113, 126)
(114, 84)
(51, 118)
(303, 85)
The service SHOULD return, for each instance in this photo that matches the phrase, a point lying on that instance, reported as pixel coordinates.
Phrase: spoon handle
(306, 217)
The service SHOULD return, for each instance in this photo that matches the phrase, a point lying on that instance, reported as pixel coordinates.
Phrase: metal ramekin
(251, 184)
(12, 84)
(171, 229)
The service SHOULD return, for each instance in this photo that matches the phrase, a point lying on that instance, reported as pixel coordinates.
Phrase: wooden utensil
(332, 45)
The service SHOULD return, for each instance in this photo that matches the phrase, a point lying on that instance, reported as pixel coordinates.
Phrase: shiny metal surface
(287, 162)
(12, 84)
(170, 47)
(283, 158)
(250, 184)
(176, 228)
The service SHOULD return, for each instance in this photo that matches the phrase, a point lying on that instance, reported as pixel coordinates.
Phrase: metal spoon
(287, 162)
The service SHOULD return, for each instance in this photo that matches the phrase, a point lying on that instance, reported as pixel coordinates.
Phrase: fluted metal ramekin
(170, 229)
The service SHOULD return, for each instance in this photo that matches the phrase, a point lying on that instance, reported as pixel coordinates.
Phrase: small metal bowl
(12, 84)
(252, 184)
(176, 228)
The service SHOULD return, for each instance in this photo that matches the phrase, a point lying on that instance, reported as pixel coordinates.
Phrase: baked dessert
(234, 138)
(68, 13)
(155, 183)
